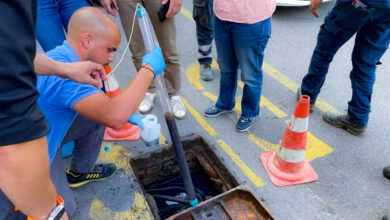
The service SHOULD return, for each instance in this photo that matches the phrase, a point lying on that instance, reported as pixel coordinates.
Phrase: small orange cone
(128, 132)
(288, 165)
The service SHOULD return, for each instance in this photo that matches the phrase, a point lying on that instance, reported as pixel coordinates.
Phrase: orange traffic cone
(288, 165)
(128, 132)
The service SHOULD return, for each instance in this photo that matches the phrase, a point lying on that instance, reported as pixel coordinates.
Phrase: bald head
(92, 20)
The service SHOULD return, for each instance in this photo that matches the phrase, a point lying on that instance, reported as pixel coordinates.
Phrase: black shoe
(386, 172)
(299, 94)
(342, 121)
(100, 172)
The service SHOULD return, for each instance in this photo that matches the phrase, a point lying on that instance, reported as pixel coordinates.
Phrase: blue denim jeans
(52, 19)
(372, 28)
(203, 15)
(241, 45)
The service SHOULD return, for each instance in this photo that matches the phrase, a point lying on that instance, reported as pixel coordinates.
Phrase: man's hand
(110, 6)
(85, 72)
(155, 59)
(314, 5)
(174, 7)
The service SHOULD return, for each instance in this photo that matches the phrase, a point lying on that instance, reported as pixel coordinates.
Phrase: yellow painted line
(187, 14)
(315, 148)
(210, 96)
(162, 139)
(264, 102)
(293, 86)
(199, 118)
(272, 107)
(117, 155)
(193, 75)
(139, 210)
(257, 181)
(265, 145)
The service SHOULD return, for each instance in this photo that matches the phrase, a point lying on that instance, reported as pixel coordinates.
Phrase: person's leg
(203, 15)
(58, 176)
(166, 36)
(49, 29)
(340, 25)
(250, 41)
(68, 7)
(371, 43)
(88, 137)
(227, 61)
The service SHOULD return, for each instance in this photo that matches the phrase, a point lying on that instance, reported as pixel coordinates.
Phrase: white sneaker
(147, 104)
(178, 108)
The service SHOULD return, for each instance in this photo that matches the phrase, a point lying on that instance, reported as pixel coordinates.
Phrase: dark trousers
(88, 137)
(372, 29)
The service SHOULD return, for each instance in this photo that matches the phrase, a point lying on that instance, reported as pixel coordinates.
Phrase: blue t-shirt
(57, 97)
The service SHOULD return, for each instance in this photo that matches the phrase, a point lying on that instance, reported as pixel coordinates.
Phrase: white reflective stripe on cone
(299, 124)
(292, 156)
(111, 84)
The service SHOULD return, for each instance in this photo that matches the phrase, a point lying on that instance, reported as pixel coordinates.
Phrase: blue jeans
(203, 15)
(52, 18)
(241, 45)
(372, 28)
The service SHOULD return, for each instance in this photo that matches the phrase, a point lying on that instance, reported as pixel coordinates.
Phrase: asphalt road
(350, 185)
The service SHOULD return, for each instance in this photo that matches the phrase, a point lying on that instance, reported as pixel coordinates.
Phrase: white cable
(128, 44)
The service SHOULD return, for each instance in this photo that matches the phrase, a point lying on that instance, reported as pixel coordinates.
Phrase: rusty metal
(238, 204)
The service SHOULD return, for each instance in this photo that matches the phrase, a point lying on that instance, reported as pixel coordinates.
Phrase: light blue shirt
(57, 97)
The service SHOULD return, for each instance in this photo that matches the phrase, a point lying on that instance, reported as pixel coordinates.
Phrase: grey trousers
(88, 137)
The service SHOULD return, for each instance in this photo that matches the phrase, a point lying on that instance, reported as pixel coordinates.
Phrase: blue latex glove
(137, 120)
(155, 59)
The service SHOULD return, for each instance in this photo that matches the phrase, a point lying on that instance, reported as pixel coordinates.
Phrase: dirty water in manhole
(216, 188)
(158, 173)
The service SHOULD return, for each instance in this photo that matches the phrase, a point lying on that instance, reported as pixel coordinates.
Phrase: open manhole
(157, 172)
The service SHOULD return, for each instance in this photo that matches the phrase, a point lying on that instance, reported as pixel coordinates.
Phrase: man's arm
(85, 72)
(25, 179)
(117, 111)
(314, 5)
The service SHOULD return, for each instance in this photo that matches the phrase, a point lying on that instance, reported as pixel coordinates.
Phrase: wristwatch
(58, 211)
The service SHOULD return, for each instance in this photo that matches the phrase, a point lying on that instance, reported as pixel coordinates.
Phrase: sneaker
(178, 108)
(100, 172)
(214, 112)
(205, 72)
(243, 124)
(147, 104)
(299, 94)
(342, 121)
(386, 172)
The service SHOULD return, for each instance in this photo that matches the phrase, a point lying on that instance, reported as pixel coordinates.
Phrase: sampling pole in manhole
(151, 42)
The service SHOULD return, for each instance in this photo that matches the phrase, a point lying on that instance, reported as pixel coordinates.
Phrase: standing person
(203, 15)
(166, 35)
(24, 162)
(53, 18)
(241, 30)
(370, 21)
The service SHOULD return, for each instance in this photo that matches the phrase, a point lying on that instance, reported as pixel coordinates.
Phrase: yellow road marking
(237, 160)
(265, 145)
(162, 139)
(139, 210)
(186, 13)
(199, 118)
(117, 155)
(316, 148)
(293, 86)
